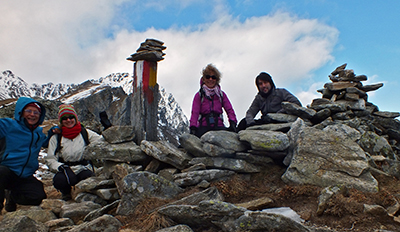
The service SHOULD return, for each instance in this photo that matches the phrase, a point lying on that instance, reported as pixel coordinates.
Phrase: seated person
(65, 152)
(22, 139)
(268, 100)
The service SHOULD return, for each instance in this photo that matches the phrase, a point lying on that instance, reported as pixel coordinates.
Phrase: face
(264, 86)
(210, 80)
(31, 114)
(68, 121)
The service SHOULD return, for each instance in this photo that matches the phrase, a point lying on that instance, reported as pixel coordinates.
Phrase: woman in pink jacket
(208, 103)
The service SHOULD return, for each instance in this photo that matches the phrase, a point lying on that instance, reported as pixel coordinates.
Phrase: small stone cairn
(149, 50)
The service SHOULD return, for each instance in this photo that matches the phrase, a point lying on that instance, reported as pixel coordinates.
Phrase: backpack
(84, 134)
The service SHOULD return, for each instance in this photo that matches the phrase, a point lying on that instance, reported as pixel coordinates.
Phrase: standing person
(268, 100)
(208, 103)
(65, 152)
(23, 138)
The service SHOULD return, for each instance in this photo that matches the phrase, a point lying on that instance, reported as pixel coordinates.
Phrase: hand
(232, 126)
(56, 130)
(193, 130)
(251, 124)
(72, 179)
(53, 130)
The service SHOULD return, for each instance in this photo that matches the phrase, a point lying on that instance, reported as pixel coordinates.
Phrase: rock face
(335, 143)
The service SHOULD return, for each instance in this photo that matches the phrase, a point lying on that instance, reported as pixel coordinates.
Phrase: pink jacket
(205, 106)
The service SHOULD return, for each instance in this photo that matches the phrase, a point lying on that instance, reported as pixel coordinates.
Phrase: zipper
(30, 153)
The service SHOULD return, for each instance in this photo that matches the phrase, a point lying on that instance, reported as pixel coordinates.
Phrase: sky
(299, 43)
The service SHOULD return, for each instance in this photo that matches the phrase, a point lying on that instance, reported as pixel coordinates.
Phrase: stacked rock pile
(345, 99)
(149, 50)
(346, 85)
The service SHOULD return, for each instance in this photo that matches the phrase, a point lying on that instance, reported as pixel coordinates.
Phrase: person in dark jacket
(268, 100)
(23, 138)
(208, 105)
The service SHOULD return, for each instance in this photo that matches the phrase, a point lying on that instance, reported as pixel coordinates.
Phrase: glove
(193, 130)
(72, 179)
(232, 126)
(251, 124)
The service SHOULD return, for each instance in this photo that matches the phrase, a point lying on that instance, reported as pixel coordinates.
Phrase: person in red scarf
(65, 152)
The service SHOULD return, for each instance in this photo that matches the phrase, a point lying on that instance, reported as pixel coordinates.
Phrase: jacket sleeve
(228, 108)
(51, 160)
(289, 97)
(93, 136)
(3, 127)
(253, 110)
(194, 118)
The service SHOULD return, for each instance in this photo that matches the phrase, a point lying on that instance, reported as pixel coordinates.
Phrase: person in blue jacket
(23, 139)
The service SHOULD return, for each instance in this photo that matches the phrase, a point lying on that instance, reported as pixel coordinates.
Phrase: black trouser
(23, 191)
(63, 181)
(203, 129)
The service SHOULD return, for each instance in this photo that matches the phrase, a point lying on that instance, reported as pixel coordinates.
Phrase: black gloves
(193, 130)
(232, 126)
(251, 124)
(72, 179)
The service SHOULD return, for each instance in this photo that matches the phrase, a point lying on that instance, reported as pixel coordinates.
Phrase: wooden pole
(145, 100)
(146, 95)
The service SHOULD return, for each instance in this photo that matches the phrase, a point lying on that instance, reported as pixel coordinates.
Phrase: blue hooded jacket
(22, 144)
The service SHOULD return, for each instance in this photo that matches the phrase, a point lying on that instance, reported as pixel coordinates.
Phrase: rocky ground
(345, 211)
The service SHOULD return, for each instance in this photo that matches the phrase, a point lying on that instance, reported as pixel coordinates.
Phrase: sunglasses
(211, 76)
(67, 117)
(35, 112)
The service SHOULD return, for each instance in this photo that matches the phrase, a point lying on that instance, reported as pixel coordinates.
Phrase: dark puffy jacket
(270, 104)
(22, 145)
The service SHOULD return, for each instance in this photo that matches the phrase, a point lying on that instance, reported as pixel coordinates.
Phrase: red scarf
(71, 133)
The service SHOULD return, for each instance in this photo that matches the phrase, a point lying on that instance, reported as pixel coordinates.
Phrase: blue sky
(298, 42)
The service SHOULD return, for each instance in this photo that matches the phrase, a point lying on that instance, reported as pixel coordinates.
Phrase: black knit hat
(265, 77)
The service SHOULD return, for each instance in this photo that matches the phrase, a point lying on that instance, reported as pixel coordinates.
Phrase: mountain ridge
(171, 119)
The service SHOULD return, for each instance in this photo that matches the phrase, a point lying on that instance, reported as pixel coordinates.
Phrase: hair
(211, 68)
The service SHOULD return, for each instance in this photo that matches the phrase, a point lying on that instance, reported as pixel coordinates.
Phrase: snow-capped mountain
(171, 118)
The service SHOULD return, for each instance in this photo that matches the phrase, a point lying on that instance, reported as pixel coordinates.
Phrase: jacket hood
(265, 77)
(20, 105)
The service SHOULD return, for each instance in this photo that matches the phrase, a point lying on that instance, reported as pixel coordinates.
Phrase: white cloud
(67, 42)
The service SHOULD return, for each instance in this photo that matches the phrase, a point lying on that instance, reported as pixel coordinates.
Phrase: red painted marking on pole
(148, 93)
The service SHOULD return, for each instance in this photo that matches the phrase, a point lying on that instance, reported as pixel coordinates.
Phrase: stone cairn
(150, 50)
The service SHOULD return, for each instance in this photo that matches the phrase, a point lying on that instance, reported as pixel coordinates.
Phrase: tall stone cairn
(146, 93)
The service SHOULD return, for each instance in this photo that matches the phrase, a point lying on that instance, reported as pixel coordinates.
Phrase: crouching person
(22, 139)
(65, 152)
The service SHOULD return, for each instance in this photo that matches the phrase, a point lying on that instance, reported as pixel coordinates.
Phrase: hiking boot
(10, 206)
(66, 197)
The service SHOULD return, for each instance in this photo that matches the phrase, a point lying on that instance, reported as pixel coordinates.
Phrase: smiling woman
(208, 104)
(65, 152)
